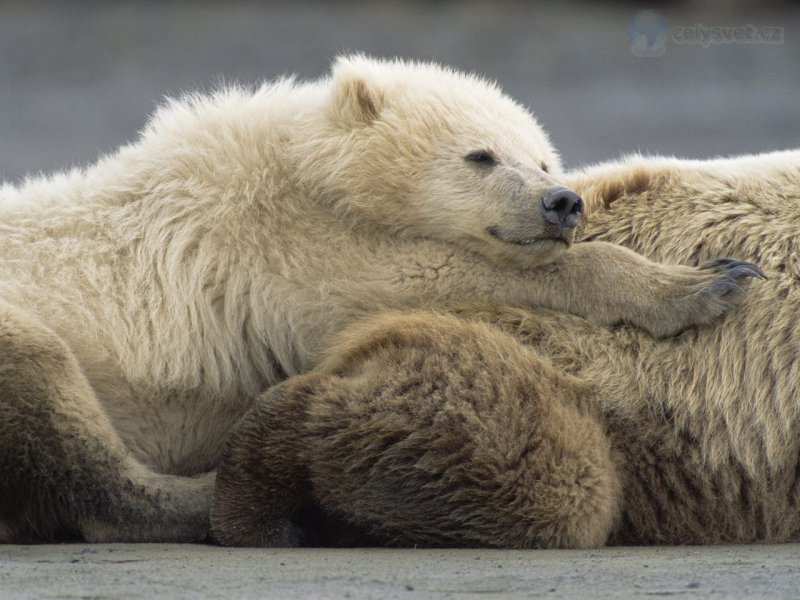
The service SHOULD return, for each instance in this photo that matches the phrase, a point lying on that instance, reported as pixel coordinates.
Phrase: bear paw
(704, 294)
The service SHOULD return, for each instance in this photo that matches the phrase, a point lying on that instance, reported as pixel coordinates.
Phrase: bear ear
(357, 98)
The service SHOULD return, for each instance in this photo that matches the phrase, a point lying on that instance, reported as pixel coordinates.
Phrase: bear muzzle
(562, 207)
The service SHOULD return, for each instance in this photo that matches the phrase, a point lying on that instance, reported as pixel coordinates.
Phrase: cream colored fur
(211, 258)
(206, 260)
(739, 386)
(506, 427)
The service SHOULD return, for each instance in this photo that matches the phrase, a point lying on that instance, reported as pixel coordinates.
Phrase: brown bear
(148, 299)
(503, 426)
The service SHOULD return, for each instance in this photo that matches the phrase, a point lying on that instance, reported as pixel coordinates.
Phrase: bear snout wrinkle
(561, 206)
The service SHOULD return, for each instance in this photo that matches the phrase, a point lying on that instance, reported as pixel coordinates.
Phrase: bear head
(422, 151)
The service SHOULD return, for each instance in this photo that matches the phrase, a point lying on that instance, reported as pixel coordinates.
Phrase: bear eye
(482, 157)
(544, 167)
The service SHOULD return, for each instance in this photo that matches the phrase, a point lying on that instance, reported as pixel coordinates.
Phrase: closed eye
(486, 158)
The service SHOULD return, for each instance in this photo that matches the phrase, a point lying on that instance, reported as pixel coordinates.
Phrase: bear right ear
(356, 98)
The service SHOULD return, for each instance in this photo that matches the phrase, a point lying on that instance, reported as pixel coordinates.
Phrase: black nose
(562, 206)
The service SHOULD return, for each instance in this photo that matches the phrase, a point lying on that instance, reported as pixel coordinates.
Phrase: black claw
(719, 262)
(745, 270)
(736, 269)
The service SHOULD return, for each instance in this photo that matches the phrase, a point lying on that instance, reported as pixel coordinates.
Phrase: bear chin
(528, 252)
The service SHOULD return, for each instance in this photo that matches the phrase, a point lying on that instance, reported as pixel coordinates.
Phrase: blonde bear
(499, 426)
(148, 299)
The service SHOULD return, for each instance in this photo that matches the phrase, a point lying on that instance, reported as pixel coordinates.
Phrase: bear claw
(741, 271)
(735, 269)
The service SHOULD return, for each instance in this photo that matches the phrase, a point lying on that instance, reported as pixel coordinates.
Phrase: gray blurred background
(78, 78)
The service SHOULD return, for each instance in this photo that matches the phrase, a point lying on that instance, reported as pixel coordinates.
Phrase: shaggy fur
(169, 284)
(505, 427)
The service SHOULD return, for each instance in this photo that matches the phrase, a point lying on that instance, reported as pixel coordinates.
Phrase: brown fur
(498, 426)
(173, 281)
(63, 480)
(405, 440)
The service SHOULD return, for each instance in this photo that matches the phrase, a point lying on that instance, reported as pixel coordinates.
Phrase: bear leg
(440, 433)
(422, 430)
(64, 472)
(262, 480)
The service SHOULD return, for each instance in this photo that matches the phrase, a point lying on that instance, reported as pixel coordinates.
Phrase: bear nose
(562, 206)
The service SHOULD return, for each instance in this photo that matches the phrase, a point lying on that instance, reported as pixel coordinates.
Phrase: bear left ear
(357, 100)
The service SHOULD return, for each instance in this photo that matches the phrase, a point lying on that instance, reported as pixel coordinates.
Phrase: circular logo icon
(648, 33)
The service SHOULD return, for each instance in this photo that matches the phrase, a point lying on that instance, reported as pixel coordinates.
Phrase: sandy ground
(192, 571)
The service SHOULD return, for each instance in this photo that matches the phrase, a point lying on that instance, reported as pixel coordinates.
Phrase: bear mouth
(561, 238)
